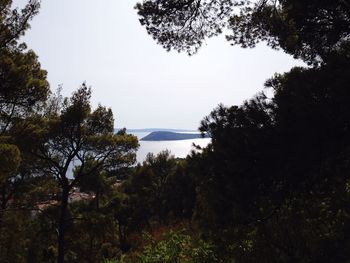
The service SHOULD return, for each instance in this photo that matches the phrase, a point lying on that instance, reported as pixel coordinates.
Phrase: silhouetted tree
(305, 29)
(276, 170)
(14, 23)
(23, 92)
(77, 135)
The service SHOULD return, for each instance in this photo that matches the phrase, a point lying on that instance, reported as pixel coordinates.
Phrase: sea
(179, 148)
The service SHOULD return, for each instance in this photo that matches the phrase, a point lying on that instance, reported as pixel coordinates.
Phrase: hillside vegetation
(272, 186)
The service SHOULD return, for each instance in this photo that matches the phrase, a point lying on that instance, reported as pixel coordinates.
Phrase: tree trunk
(97, 199)
(62, 225)
(4, 201)
(123, 243)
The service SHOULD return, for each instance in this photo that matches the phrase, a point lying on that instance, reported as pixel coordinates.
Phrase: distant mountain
(170, 136)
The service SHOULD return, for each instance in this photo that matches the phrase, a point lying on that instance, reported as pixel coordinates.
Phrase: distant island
(154, 130)
(171, 136)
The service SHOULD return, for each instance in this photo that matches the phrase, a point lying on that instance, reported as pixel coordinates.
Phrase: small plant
(121, 260)
(178, 248)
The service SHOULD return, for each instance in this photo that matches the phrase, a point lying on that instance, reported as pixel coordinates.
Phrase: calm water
(178, 148)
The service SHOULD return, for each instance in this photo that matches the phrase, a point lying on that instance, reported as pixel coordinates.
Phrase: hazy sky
(102, 43)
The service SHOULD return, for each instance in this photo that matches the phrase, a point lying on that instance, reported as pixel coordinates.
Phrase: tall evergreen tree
(76, 135)
(23, 92)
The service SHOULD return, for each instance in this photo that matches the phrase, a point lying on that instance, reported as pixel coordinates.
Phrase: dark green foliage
(23, 86)
(9, 161)
(178, 248)
(163, 187)
(76, 133)
(272, 186)
(157, 192)
(23, 92)
(272, 183)
(183, 25)
(14, 23)
(309, 30)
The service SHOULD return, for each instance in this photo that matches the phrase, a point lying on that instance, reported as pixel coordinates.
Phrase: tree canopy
(273, 184)
(310, 30)
(14, 23)
(76, 134)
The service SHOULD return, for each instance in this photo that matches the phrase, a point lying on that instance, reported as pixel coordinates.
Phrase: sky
(103, 44)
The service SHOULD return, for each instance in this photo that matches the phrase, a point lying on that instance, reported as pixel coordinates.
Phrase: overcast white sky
(102, 43)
